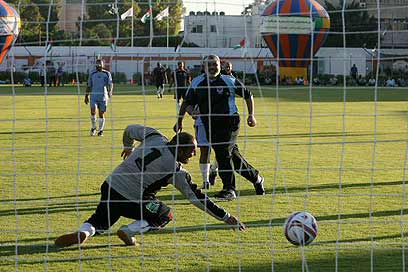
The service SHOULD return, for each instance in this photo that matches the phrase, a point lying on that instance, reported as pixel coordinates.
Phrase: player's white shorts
(100, 105)
(200, 134)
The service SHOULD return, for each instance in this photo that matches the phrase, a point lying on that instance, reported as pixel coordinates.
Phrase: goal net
(329, 81)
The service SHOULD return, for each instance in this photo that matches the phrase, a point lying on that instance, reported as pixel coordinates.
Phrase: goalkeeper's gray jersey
(151, 166)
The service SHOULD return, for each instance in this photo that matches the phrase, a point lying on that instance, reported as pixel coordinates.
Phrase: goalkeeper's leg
(106, 214)
(155, 216)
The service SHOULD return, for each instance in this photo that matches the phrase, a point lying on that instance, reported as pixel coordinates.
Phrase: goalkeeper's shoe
(126, 236)
(92, 132)
(76, 238)
(259, 186)
(226, 195)
(100, 133)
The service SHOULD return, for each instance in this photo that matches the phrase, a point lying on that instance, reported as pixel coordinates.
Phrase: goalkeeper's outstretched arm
(182, 181)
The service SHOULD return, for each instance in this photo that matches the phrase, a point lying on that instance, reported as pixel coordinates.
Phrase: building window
(197, 29)
(213, 28)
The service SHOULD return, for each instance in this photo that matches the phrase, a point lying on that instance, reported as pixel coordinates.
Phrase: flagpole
(167, 32)
(151, 23)
(131, 42)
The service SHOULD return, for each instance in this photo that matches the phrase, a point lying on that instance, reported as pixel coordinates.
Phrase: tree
(360, 27)
(30, 32)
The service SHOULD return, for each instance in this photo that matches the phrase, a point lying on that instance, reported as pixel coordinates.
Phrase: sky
(230, 7)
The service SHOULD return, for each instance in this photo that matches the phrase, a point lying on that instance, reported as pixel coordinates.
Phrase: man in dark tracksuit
(215, 96)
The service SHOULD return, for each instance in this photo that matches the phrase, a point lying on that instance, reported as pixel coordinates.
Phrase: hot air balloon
(10, 25)
(290, 28)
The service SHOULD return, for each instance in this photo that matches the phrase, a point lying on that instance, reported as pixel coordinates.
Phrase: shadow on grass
(91, 205)
(336, 134)
(52, 208)
(357, 260)
(333, 94)
(46, 198)
(24, 249)
(363, 239)
(350, 260)
(289, 189)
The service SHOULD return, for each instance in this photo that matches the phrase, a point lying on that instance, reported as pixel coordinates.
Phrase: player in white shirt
(130, 190)
(100, 88)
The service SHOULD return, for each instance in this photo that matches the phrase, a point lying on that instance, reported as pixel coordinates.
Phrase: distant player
(227, 70)
(130, 191)
(160, 78)
(100, 88)
(181, 80)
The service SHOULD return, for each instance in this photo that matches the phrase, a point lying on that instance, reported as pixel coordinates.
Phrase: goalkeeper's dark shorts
(113, 205)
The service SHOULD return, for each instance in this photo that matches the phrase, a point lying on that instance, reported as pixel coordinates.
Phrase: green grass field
(346, 163)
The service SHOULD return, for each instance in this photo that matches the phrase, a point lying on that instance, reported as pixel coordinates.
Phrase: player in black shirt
(215, 96)
(181, 80)
(160, 77)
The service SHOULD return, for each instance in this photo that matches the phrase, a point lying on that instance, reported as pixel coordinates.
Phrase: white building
(337, 61)
(216, 29)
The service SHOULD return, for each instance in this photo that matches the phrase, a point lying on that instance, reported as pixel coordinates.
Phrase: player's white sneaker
(71, 239)
(92, 132)
(126, 236)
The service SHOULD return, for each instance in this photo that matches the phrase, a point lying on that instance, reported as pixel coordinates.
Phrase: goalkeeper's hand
(126, 153)
(233, 221)
(86, 100)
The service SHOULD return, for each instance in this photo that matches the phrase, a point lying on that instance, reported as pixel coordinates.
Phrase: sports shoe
(125, 235)
(259, 186)
(71, 239)
(100, 133)
(206, 185)
(226, 195)
(92, 132)
(212, 176)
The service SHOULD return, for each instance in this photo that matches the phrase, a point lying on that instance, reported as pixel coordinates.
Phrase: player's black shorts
(181, 92)
(113, 205)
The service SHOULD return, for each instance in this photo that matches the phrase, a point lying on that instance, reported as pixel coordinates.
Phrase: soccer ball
(300, 228)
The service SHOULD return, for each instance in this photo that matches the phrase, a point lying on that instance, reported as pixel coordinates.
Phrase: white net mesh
(328, 141)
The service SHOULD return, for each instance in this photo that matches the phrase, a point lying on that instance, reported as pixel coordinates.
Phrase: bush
(119, 77)
(137, 78)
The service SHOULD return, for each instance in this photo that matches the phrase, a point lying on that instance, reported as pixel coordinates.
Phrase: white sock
(259, 179)
(93, 121)
(88, 229)
(214, 166)
(101, 123)
(139, 226)
(205, 171)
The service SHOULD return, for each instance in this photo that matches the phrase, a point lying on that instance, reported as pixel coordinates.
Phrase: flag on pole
(164, 13)
(113, 45)
(128, 13)
(147, 16)
(240, 45)
(48, 48)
